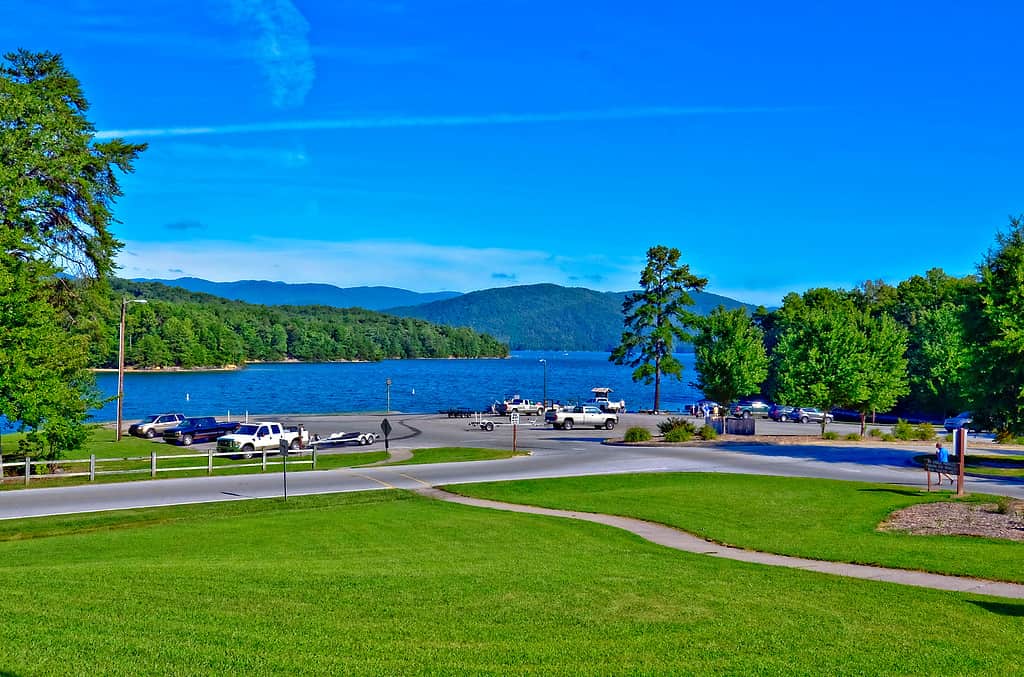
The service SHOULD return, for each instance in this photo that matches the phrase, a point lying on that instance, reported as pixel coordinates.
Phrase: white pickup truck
(585, 415)
(253, 437)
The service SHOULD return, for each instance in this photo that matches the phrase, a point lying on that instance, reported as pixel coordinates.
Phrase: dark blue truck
(198, 429)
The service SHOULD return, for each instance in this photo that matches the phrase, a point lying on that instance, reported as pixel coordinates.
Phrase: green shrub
(676, 423)
(853, 437)
(888, 437)
(637, 435)
(875, 432)
(707, 432)
(948, 437)
(924, 431)
(831, 435)
(903, 430)
(679, 434)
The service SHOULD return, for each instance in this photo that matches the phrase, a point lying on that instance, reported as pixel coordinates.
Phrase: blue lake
(417, 386)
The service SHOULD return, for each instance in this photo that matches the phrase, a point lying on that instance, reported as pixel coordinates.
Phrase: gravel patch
(959, 519)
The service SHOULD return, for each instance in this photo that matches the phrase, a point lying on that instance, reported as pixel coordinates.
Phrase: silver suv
(808, 414)
(155, 425)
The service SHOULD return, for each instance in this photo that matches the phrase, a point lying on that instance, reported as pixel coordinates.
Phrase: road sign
(514, 416)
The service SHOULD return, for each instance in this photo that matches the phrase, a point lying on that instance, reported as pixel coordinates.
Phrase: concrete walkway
(394, 456)
(680, 540)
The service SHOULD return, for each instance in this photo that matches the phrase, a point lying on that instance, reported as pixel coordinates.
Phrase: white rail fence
(64, 468)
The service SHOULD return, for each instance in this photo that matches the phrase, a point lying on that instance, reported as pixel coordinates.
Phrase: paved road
(554, 454)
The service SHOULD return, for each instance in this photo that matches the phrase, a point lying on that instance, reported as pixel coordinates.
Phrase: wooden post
(961, 452)
(209, 462)
(264, 460)
(152, 464)
(28, 469)
(92, 467)
(314, 457)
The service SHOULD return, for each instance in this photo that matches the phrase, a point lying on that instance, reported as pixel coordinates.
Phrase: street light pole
(545, 363)
(120, 363)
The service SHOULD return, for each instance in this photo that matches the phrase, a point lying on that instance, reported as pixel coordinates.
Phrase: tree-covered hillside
(176, 327)
(284, 293)
(544, 316)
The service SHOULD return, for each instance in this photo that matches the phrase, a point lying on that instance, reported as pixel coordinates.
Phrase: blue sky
(451, 145)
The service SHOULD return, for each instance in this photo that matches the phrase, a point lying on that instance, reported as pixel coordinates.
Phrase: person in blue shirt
(943, 457)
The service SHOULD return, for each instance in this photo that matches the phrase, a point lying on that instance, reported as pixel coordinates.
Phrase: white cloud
(281, 47)
(414, 266)
(383, 122)
(248, 155)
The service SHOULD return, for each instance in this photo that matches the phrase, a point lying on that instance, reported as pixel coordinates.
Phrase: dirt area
(960, 519)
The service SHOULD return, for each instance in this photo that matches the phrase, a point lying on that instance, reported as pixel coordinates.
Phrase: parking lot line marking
(374, 479)
(414, 479)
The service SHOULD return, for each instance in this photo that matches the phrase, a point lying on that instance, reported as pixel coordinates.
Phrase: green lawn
(455, 454)
(390, 583)
(820, 519)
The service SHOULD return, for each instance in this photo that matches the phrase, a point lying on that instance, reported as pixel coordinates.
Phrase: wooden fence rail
(58, 468)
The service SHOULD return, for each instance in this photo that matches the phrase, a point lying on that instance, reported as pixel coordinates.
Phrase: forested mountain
(544, 316)
(176, 327)
(283, 293)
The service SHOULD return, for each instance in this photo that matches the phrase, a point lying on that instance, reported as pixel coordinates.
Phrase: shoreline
(239, 367)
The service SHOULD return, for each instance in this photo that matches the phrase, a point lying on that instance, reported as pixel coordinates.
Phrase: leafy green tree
(998, 333)
(820, 359)
(884, 365)
(57, 184)
(44, 383)
(57, 189)
(940, 359)
(656, 317)
(730, 355)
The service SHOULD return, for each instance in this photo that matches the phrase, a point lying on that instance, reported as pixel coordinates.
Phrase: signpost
(960, 445)
(385, 427)
(283, 446)
(514, 418)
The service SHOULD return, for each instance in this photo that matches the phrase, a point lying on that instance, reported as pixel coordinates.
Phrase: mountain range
(285, 294)
(527, 317)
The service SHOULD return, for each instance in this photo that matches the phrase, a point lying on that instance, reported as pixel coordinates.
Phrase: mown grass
(222, 466)
(820, 519)
(456, 454)
(390, 583)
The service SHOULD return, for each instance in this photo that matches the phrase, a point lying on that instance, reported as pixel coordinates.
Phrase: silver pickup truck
(585, 415)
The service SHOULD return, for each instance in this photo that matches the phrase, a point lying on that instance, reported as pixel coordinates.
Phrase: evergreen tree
(656, 317)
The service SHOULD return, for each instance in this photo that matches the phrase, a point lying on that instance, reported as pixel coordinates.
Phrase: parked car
(265, 435)
(748, 408)
(781, 412)
(521, 406)
(199, 429)
(810, 414)
(155, 424)
(585, 415)
(961, 420)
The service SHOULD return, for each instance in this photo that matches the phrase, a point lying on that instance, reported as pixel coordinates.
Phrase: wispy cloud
(504, 277)
(281, 49)
(186, 224)
(411, 265)
(246, 155)
(384, 122)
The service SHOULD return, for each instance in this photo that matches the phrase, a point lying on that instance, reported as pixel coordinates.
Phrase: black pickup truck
(199, 429)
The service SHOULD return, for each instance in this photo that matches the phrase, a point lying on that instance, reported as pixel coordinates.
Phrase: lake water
(417, 386)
